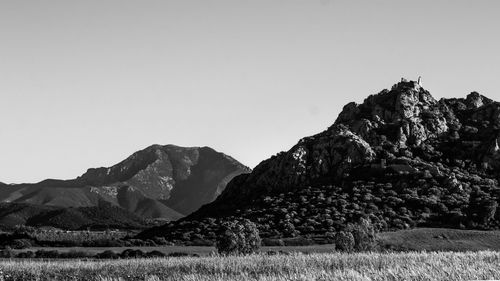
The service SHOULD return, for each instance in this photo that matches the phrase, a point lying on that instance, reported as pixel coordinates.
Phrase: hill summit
(401, 159)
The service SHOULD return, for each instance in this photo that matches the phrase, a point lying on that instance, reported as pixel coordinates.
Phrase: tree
(482, 207)
(238, 237)
(364, 235)
(344, 241)
(288, 229)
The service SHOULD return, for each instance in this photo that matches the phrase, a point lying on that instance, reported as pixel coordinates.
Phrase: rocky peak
(474, 100)
(405, 100)
(405, 115)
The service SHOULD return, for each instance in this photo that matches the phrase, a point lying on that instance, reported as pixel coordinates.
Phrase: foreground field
(363, 266)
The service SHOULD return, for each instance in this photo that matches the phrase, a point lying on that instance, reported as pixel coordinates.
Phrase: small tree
(238, 237)
(344, 241)
(364, 235)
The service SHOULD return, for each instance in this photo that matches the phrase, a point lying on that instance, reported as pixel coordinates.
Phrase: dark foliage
(344, 241)
(101, 217)
(238, 237)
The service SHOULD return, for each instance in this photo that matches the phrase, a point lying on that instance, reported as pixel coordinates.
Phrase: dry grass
(334, 266)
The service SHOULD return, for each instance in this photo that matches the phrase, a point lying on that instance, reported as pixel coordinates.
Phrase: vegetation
(402, 201)
(238, 237)
(78, 254)
(25, 236)
(359, 266)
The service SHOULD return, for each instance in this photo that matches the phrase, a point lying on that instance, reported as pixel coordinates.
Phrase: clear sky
(86, 83)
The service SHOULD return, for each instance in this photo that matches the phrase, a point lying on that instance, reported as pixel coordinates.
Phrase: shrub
(26, 255)
(330, 237)
(160, 240)
(155, 254)
(238, 237)
(272, 242)
(20, 244)
(131, 253)
(107, 255)
(344, 241)
(364, 235)
(7, 253)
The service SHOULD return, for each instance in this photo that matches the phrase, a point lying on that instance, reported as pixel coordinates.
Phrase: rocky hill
(401, 159)
(166, 182)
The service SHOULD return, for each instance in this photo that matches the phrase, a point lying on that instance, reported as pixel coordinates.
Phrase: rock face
(391, 123)
(165, 182)
(397, 144)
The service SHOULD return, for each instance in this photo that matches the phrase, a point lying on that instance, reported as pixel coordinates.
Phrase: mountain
(401, 158)
(165, 182)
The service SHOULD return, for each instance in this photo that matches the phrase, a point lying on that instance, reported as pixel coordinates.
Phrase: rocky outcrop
(401, 158)
(405, 122)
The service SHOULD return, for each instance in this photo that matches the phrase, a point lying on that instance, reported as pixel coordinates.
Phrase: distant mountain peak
(166, 181)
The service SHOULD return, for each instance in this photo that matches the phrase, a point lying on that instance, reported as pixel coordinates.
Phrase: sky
(87, 83)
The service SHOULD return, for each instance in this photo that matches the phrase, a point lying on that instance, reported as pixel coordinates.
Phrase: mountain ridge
(142, 183)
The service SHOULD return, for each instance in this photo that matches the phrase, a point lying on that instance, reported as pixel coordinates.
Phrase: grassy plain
(332, 266)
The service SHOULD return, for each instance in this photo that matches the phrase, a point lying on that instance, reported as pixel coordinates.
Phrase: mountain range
(159, 182)
(401, 159)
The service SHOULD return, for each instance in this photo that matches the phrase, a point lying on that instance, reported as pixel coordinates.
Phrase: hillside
(103, 216)
(12, 214)
(166, 182)
(401, 159)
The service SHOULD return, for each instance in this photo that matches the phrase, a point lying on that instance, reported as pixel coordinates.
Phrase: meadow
(326, 266)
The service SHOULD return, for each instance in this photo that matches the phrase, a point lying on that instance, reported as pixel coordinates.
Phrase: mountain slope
(102, 216)
(165, 182)
(401, 158)
(12, 214)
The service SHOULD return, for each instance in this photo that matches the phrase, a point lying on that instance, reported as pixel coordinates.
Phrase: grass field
(333, 266)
